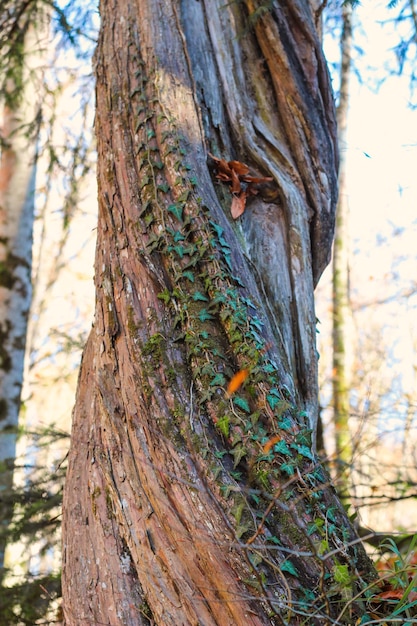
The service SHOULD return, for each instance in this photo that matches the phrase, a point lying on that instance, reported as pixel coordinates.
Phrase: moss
(146, 611)
(113, 322)
(132, 326)
(178, 413)
(153, 347)
(95, 494)
(285, 521)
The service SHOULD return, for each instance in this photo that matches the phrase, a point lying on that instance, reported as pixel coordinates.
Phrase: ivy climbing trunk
(193, 493)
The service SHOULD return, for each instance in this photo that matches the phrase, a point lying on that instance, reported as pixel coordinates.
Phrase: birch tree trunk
(193, 493)
(19, 128)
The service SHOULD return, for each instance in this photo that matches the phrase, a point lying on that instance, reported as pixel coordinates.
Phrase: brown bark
(183, 504)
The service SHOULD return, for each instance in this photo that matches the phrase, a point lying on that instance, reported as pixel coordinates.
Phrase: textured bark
(185, 504)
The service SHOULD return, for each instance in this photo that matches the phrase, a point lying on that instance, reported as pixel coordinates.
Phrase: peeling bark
(185, 504)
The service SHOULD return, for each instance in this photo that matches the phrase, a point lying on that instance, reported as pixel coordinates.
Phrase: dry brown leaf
(236, 188)
(238, 205)
(235, 172)
(240, 168)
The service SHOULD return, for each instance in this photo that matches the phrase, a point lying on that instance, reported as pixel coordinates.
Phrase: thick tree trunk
(188, 501)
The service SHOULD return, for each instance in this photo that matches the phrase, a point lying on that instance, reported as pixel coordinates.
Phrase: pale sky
(382, 180)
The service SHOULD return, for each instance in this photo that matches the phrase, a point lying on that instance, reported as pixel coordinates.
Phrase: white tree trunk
(19, 132)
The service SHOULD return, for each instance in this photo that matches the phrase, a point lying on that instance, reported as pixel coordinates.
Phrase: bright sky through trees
(382, 188)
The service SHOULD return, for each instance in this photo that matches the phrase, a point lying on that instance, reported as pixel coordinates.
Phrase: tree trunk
(190, 500)
(18, 136)
(342, 314)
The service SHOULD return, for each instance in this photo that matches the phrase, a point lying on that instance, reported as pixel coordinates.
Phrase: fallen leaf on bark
(237, 380)
(238, 205)
(271, 442)
(396, 594)
(236, 173)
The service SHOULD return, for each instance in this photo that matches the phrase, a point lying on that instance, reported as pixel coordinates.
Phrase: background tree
(187, 498)
(22, 41)
(382, 334)
(342, 315)
(45, 62)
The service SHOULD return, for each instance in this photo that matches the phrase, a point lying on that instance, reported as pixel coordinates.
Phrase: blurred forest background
(370, 443)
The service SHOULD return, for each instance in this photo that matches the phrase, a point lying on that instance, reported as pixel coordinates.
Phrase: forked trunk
(193, 494)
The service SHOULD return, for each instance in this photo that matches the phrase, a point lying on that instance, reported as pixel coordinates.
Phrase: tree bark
(189, 501)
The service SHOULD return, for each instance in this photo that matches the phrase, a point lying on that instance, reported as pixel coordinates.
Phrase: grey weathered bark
(185, 502)
(342, 314)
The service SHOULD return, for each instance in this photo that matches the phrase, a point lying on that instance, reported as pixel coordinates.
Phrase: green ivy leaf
(288, 468)
(285, 423)
(165, 296)
(282, 448)
(204, 315)
(189, 275)
(219, 381)
(242, 529)
(272, 401)
(197, 295)
(155, 241)
(219, 230)
(287, 566)
(304, 437)
(223, 425)
(242, 403)
(330, 514)
(178, 236)
(184, 196)
(237, 511)
(341, 574)
(305, 451)
(274, 540)
(315, 526)
(176, 210)
(255, 559)
(238, 453)
(180, 250)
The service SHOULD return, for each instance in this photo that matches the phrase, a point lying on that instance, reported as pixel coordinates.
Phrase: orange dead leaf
(240, 168)
(256, 180)
(236, 173)
(238, 205)
(237, 380)
(236, 188)
(396, 594)
(271, 442)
